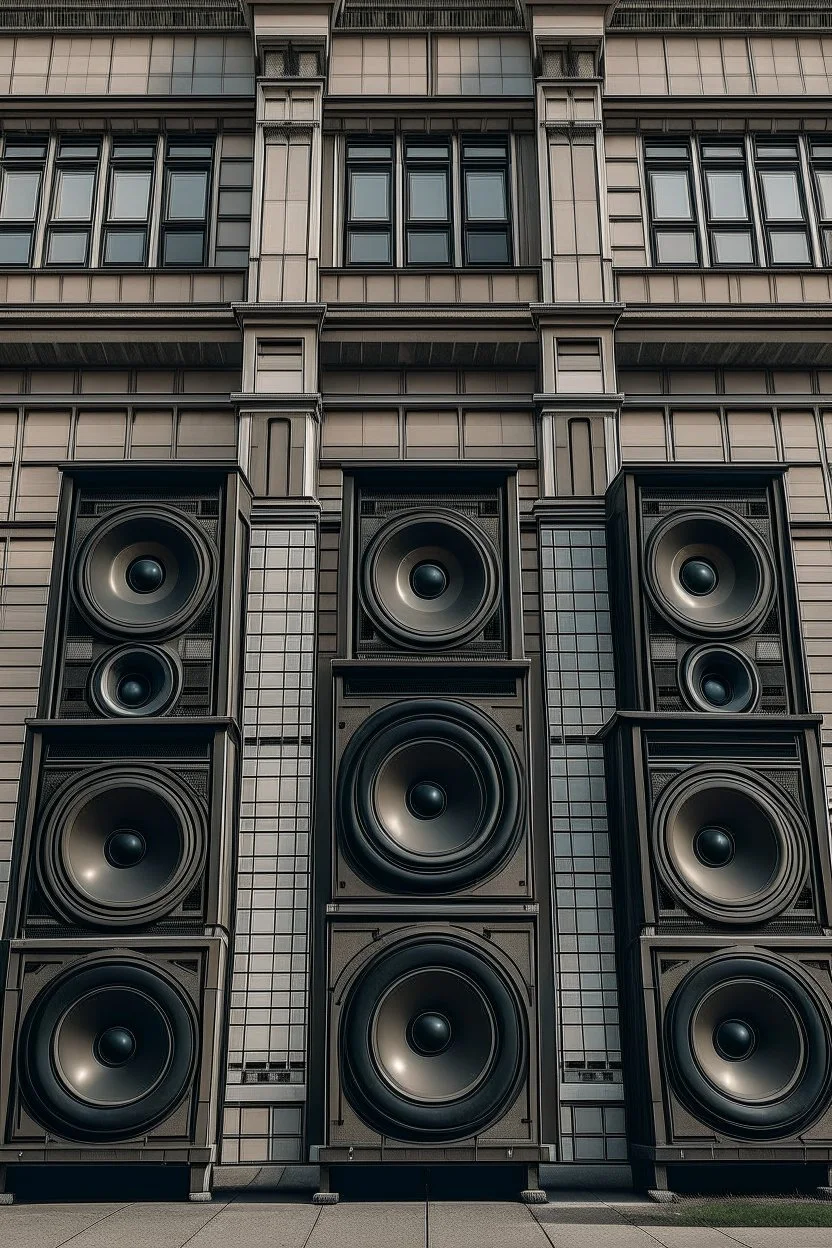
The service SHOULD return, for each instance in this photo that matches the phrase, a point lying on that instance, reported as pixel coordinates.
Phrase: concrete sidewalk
(260, 1220)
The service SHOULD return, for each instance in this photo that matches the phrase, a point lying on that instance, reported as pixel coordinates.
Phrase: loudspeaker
(430, 776)
(732, 1057)
(703, 592)
(146, 594)
(718, 825)
(108, 1050)
(432, 1043)
(125, 826)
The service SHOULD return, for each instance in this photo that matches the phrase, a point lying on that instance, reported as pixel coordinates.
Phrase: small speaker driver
(719, 680)
(136, 680)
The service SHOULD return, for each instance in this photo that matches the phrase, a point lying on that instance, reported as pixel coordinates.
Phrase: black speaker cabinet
(432, 1041)
(730, 1051)
(125, 826)
(703, 592)
(148, 586)
(432, 562)
(110, 1051)
(431, 771)
(718, 825)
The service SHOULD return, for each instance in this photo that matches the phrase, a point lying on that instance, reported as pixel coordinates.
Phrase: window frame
(129, 164)
(714, 225)
(411, 164)
(780, 164)
(821, 164)
(168, 227)
(68, 163)
(672, 163)
(24, 164)
(386, 164)
(479, 225)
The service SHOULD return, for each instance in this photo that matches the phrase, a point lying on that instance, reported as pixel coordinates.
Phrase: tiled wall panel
(713, 65)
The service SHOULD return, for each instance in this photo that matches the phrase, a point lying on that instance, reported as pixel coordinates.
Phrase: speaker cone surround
(429, 796)
(144, 571)
(120, 847)
(729, 845)
(433, 1041)
(719, 679)
(430, 580)
(107, 1050)
(708, 573)
(136, 680)
(749, 1046)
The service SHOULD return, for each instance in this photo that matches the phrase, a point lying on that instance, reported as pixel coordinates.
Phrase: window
(21, 178)
(187, 189)
(822, 172)
(485, 200)
(73, 202)
(671, 202)
(428, 203)
(129, 198)
(781, 202)
(234, 214)
(727, 204)
(369, 203)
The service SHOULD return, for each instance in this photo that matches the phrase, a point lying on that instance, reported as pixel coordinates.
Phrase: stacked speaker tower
(719, 831)
(120, 907)
(428, 936)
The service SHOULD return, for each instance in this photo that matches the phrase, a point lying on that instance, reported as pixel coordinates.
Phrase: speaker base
(533, 1196)
(325, 1198)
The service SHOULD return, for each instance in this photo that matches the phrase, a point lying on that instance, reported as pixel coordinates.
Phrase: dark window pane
(24, 149)
(789, 246)
(187, 195)
(369, 248)
(827, 245)
(822, 151)
(485, 195)
(14, 246)
(233, 234)
(777, 151)
(228, 258)
(670, 195)
(824, 177)
(73, 194)
(726, 195)
(369, 195)
(425, 151)
(483, 151)
(134, 151)
(124, 246)
(67, 247)
(369, 151)
(236, 173)
(722, 151)
(781, 195)
(732, 247)
(190, 151)
(70, 149)
(667, 151)
(676, 247)
(19, 196)
(427, 195)
(235, 203)
(486, 247)
(130, 195)
(184, 247)
(428, 247)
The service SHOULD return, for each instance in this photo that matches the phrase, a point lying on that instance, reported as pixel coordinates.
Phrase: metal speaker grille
(752, 506)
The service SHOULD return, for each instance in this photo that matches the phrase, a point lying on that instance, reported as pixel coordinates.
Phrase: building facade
(415, 540)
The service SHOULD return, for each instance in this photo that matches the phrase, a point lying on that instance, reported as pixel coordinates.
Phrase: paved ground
(258, 1220)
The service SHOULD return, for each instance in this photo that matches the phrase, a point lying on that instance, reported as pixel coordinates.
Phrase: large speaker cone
(136, 680)
(430, 580)
(719, 679)
(433, 1041)
(729, 845)
(429, 796)
(709, 573)
(749, 1046)
(120, 846)
(144, 571)
(107, 1051)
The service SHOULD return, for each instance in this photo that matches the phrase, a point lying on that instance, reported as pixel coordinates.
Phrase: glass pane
(670, 194)
(428, 247)
(236, 173)
(777, 151)
(483, 151)
(24, 149)
(73, 195)
(184, 247)
(187, 195)
(486, 247)
(427, 195)
(71, 149)
(827, 245)
(789, 246)
(676, 247)
(369, 248)
(369, 195)
(134, 151)
(19, 196)
(732, 247)
(67, 247)
(722, 151)
(667, 151)
(190, 151)
(424, 151)
(130, 195)
(369, 151)
(822, 150)
(14, 246)
(824, 177)
(235, 203)
(124, 247)
(485, 195)
(781, 195)
(726, 195)
(233, 234)
(231, 259)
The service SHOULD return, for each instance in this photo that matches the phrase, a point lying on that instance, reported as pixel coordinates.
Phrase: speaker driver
(719, 679)
(707, 572)
(136, 680)
(430, 580)
(433, 1041)
(749, 1045)
(144, 571)
(120, 847)
(107, 1051)
(429, 796)
(729, 845)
